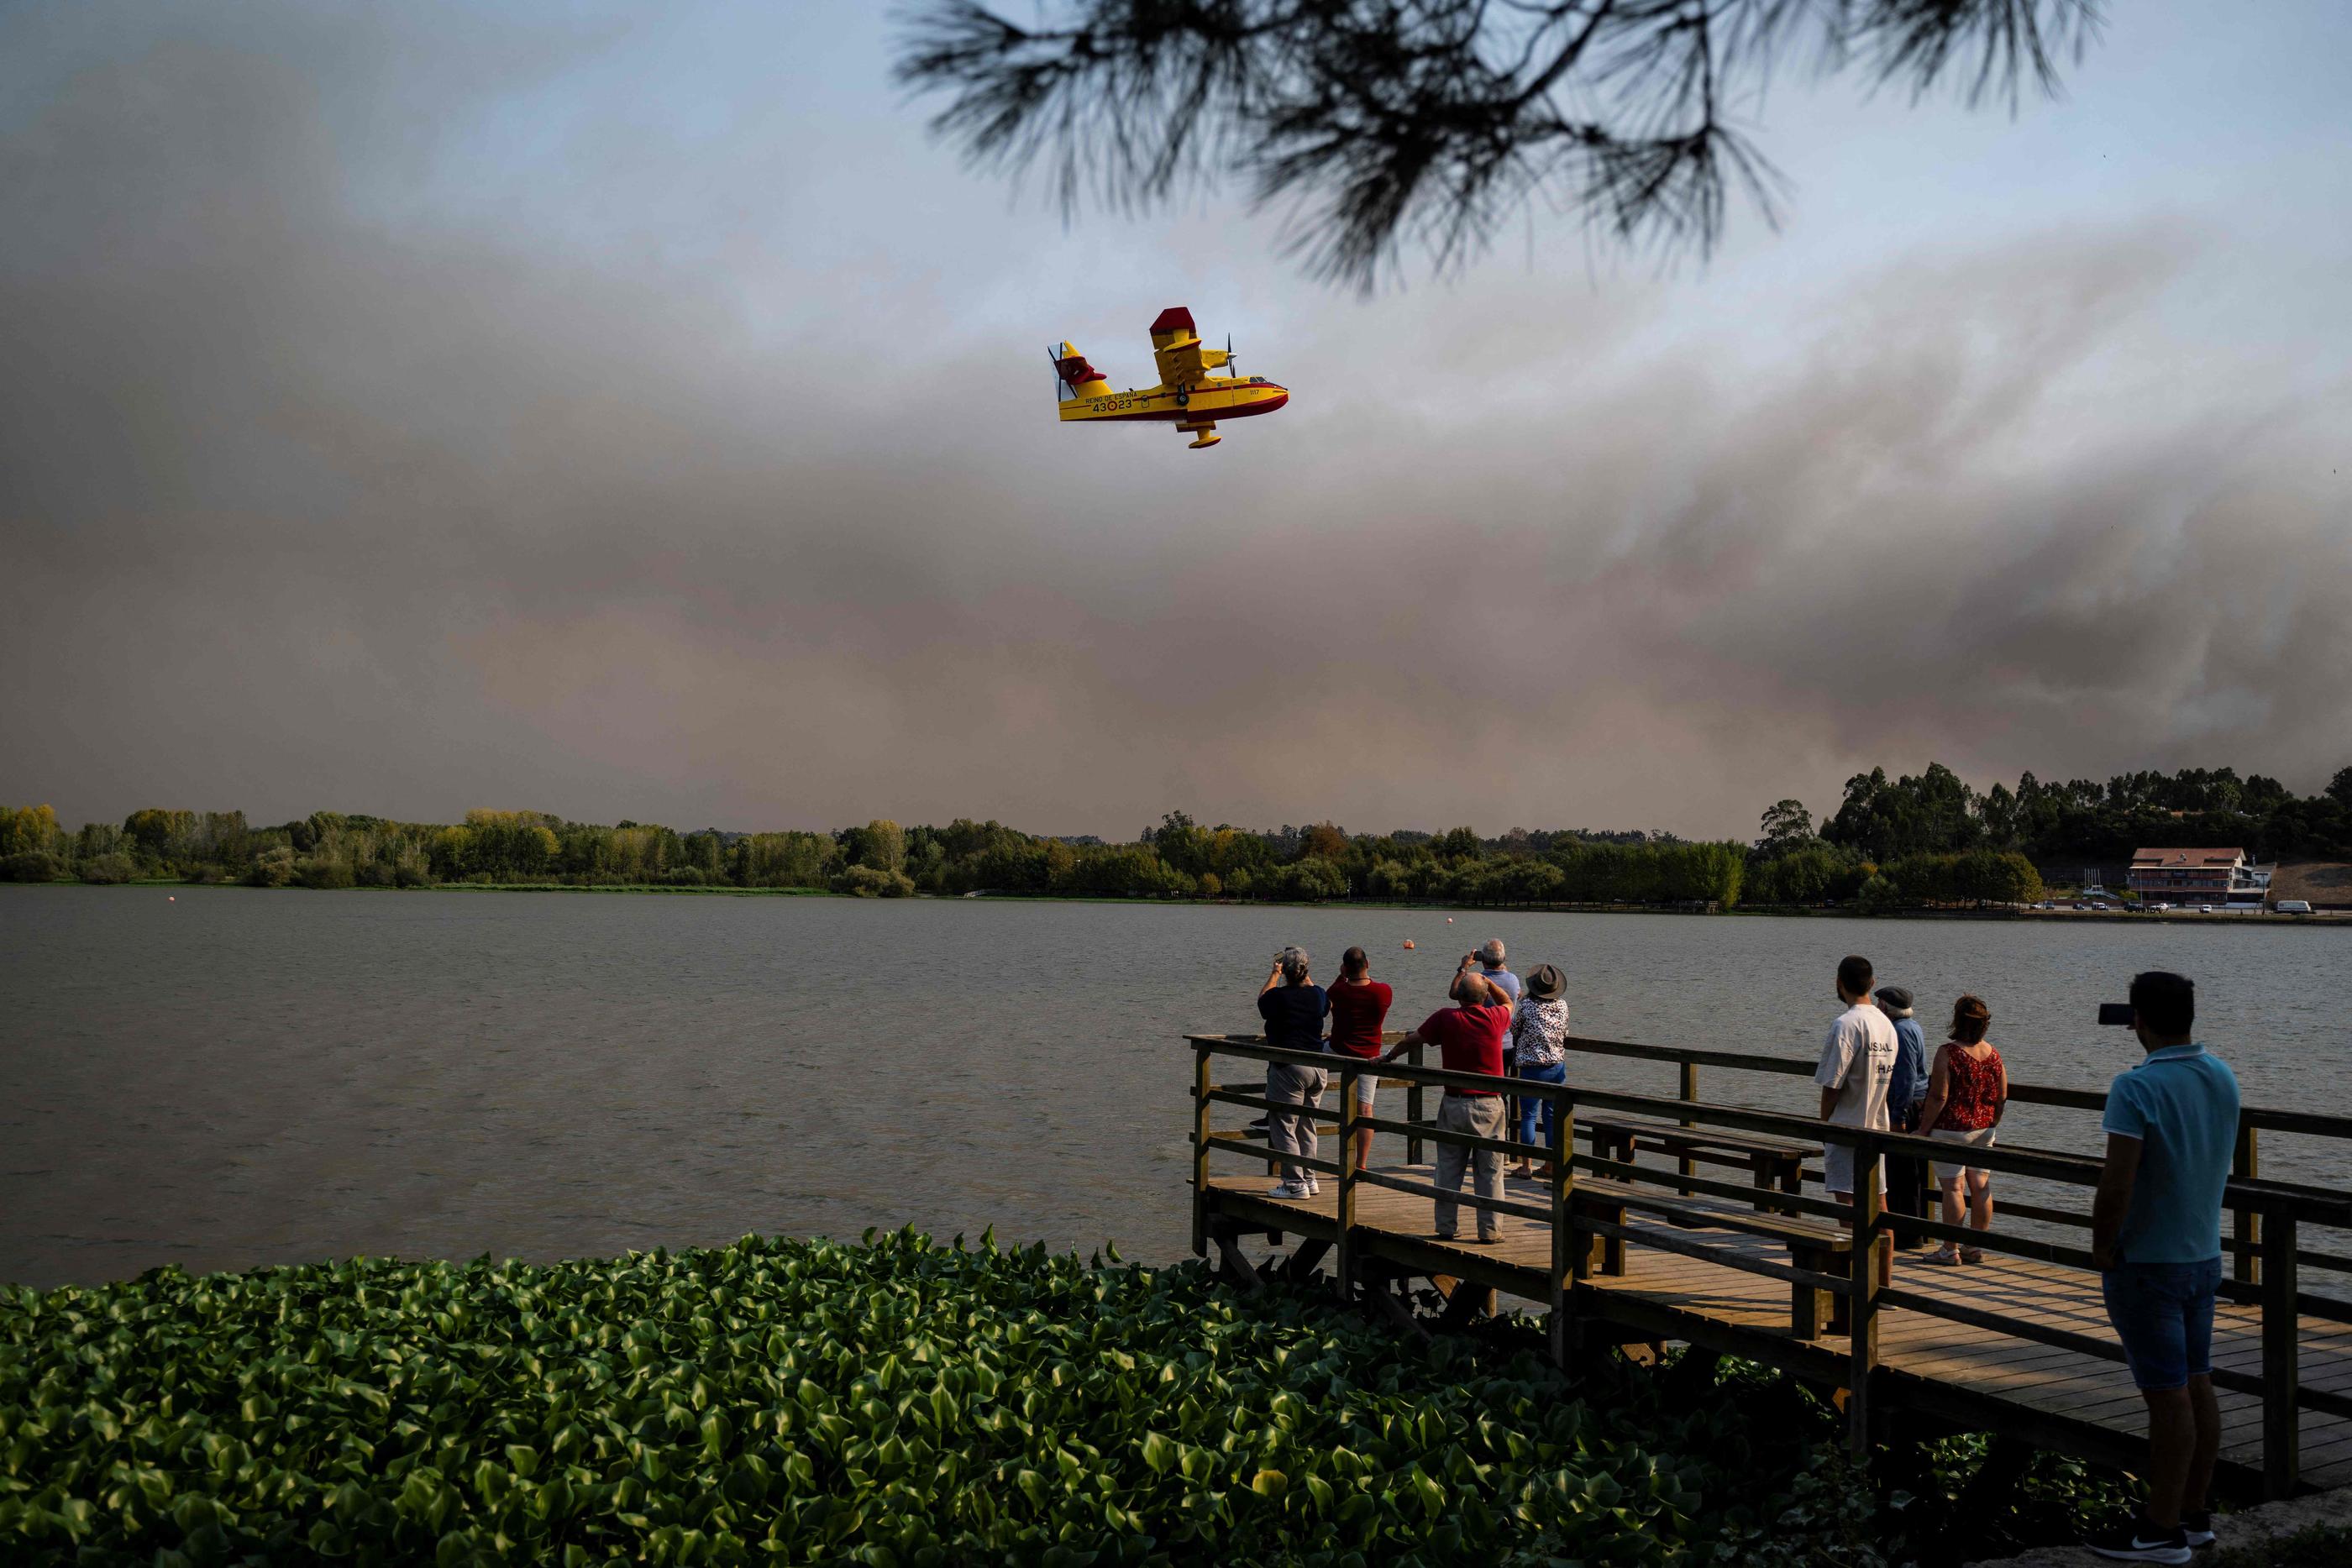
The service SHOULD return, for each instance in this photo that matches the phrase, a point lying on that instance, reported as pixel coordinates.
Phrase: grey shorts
(1952, 1169)
(1837, 1167)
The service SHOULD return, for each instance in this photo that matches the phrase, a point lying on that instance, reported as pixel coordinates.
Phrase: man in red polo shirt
(1469, 1038)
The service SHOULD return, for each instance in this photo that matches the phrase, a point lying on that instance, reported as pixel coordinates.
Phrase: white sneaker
(1287, 1189)
(1313, 1186)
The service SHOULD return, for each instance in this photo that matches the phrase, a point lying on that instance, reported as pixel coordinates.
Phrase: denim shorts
(2164, 1314)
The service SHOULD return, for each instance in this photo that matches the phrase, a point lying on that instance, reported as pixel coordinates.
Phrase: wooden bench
(1813, 1245)
(1775, 1163)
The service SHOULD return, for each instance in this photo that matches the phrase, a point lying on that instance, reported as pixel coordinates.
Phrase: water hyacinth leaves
(890, 1403)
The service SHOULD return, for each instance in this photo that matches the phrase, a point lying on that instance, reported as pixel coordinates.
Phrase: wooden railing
(2243, 1245)
(2269, 1214)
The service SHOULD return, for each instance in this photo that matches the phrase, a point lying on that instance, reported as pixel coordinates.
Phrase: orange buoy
(1408, 944)
(1449, 920)
(171, 898)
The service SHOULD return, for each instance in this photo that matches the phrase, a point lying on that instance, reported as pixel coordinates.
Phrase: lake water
(225, 1077)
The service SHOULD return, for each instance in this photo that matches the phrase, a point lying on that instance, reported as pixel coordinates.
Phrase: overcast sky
(629, 411)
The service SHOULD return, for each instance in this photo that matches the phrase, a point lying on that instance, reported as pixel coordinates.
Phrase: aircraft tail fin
(1081, 378)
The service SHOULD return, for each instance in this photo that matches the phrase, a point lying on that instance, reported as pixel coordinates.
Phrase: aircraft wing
(1181, 364)
(1177, 348)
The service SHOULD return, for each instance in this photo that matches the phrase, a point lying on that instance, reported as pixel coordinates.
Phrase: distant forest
(1906, 842)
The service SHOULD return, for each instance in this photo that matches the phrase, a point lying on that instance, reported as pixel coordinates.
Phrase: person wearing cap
(1539, 1047)
(1469, 1039)
(1967, 1091)
(1293, 1007)
(1492, 968)
(1907, 1178)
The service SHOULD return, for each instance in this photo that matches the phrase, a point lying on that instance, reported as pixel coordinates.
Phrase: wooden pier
(1616, 1251)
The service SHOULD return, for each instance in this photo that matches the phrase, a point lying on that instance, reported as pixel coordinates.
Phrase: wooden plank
(1566, 1343)
(2281, 1430)
(1200, 1153)
(2246, 1224)
(1722, 1257)
(1343, 1215)
(1862, 1309)
(1620, 1170)
(1258, 1152)
(1745, 1143)
(1708, 1294)
(1462, 1195)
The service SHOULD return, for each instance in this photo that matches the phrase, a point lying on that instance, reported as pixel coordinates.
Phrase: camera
(2116, 1013)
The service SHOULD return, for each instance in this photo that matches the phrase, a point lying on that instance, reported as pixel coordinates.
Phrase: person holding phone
(2156, 1234)
(1469, 1038)
(1293, 1007)
(1359, 1006)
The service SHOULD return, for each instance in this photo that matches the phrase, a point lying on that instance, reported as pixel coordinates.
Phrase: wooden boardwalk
(1962, 1372)
(1715, 1239)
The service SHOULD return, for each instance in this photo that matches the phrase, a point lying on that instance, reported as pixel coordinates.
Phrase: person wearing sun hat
(1540, 1045)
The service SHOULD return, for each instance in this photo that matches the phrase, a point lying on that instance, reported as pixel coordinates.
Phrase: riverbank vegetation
(1904, 842)
(895, 1403)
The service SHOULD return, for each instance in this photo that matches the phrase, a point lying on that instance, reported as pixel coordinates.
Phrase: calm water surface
(225, 1077)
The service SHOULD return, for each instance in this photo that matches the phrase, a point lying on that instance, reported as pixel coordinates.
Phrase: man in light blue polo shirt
(2156, 1233)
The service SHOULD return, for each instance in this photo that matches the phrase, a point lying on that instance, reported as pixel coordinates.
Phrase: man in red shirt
(1469, 1038)
(1359, 1006)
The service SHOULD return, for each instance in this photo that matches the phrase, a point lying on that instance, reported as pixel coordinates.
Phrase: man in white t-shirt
(1857, 1066)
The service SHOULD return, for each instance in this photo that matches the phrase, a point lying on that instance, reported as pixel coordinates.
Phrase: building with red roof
(2174, 875)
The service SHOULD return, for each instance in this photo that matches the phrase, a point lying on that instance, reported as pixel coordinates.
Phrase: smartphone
(2118, 1013)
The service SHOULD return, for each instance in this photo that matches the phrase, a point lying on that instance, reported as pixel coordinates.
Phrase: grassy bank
(894, 1403)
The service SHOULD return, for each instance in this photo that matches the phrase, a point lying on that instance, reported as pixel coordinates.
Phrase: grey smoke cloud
(317, 492)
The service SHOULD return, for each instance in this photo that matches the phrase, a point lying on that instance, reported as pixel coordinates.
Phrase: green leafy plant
(898, 1402)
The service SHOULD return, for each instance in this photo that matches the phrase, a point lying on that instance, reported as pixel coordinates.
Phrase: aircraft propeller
(1054, 358)
(1229, 355)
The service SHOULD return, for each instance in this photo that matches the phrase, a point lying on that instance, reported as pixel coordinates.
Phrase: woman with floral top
(1968, 1089)
(1540, 1044)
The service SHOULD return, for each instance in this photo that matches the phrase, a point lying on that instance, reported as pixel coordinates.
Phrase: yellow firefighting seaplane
(1188, 396)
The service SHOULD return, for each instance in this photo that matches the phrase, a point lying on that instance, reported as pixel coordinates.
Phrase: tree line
(1935, 839)
(1930, 839)
(1176, 859)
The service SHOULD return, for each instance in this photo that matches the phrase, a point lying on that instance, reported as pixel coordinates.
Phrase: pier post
(1863, 1310)
(1413, 1111)
(1346, 1224)
(1200, 1150)
(1565, 1346)
(2282, 1430)
(1685, 1091)
(2246, 1224)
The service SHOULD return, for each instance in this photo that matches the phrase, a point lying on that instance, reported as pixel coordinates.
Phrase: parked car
(2294, 907)
(2204, 909)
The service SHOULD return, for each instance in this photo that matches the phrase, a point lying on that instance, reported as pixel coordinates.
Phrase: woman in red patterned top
(1967, 1091)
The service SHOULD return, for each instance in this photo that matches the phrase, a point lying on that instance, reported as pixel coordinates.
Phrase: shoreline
(2266, 919)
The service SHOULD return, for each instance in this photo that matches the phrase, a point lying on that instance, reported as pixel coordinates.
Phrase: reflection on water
(241, 1077)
